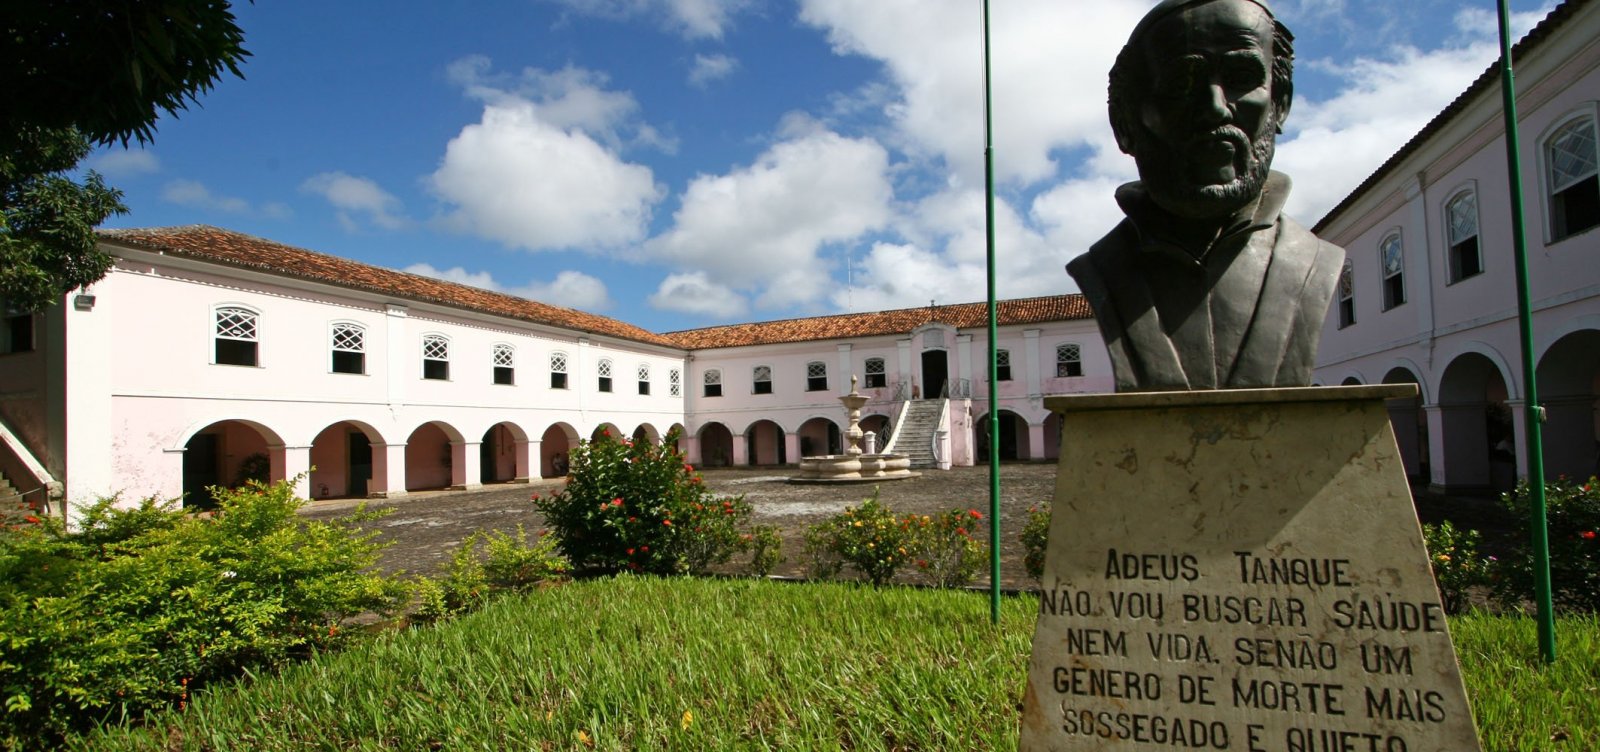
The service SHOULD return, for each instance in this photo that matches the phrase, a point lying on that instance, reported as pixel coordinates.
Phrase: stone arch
(1352, 378)
(226, 453)
(646, 432)
(764, 443)
(555, 447)
(432, 459)
(1013, 436)
(880, 425)
(1052, 436)
(1476, 430)
(503, 453)
(1452, 354)
(606, 430)
(716, 445)
(1569, 379)
(820, 436)
(346, 457)
(1410, 423)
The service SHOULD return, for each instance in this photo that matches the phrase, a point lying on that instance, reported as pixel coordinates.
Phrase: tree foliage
(78, 73)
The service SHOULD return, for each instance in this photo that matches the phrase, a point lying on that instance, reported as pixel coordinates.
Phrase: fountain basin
(853, 468)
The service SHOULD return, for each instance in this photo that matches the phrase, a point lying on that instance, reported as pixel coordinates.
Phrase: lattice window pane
(816, 370)
(1347, 284)
(504, 355)
(874, 365)
(605, 368)
(1068, 353)
(644, 372)
(1002, 357)
(713, 376)
(558, 362)
(1463, 218)
(1572, 154)
(435, 347)
(1393, 256)
(675, 381)
(349, 338)
(763, 373)
(236, 323)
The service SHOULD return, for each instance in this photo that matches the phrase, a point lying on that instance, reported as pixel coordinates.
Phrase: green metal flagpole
(994, 389)
(1533, 412)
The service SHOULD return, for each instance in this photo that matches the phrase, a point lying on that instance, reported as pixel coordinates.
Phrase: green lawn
(644, 663)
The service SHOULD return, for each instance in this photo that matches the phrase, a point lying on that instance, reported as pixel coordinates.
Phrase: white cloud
(193, 193)
(695, 293)
(708, 68)
(694, 19)
(353, 196)
(125, 163)
(763, 227)
(572, 289)
(541, 170)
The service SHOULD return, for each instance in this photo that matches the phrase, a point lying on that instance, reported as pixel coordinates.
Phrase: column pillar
(791, 448)
(691, 449)
(465, 470)
(525, 452)
(292, 463)
(388, 471)
(1519, 440)
(739, 451)
(1035, 441)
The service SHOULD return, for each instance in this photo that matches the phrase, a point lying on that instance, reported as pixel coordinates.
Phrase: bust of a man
(1206, 284)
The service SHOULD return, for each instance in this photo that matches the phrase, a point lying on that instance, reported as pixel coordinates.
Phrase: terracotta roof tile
(236, 249)
(877, 323)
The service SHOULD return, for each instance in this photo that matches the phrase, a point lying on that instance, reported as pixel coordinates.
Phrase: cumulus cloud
(763, 227)
(708, 68)
(694, 19)
(695, 293)
(572, 289)
(356, 197)
(542, 170)
(195, 194)
(125, 163)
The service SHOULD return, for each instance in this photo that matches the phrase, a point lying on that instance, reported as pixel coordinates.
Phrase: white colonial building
(207, 356)
(1429, 295)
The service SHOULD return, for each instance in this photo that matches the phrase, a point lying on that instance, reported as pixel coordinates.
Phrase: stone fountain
(853, 466)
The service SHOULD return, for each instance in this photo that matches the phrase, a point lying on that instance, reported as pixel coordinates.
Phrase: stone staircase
(8, 492)
(914, 436)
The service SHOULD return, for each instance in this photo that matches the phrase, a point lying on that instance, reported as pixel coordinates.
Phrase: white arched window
(644, 378)
(237, 337)
(877, 373)
(603, 368)
(1392, 262)
(761, 378)
(1461, 222)
(1347, 295)
(713, 383)
(816, 376)
(1069, 360)
(1573, 179)
(349, 346)
(505, 364)
(436, 357)
(1002, 365)
(558, 370)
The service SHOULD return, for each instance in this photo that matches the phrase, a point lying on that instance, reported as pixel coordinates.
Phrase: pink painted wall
(427, 458)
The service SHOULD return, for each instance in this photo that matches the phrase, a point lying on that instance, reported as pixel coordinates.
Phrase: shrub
(766, 549)
(512, 564)
(1035, 539)
(1574, 523)
(876, 543)
(507, 563)
(143, 605)
(639, 506)
(1457, 565)
(946, 553)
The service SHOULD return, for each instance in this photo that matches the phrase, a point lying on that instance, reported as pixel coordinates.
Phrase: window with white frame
(1069, 360)
(713, 383)
(436, 357)
(1002, 365)
(603, 368)
(558, 370)
(505, 364)
(1347, 295)
(17, 334)
(816, 376)
(349, 348)
(1461, 215)
(237, 336)
(877, 373)
(675, 383)
(1392, 262)
(1574, 180)
(644, 378)
(761, 379)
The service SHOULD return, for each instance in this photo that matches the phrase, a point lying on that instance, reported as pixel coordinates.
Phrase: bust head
(1197, 97)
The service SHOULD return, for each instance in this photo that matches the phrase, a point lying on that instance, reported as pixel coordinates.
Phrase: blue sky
(682, 163)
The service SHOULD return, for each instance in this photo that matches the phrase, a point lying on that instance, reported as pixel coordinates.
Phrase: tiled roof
(877, 323)
(236, 249)
(1487, 82)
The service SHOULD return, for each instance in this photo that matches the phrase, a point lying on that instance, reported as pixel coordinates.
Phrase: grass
(645, 663)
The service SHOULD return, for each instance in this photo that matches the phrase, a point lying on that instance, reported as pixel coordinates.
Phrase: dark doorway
(360, 464)
(935, 372)
(488, 451)
(200, 469)
(1008, 437)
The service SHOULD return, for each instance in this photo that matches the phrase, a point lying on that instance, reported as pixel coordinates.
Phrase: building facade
(1429, 293)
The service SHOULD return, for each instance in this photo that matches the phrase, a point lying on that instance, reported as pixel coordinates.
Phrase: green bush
(1574, 522)
(876, 543)
(1457, 565)
(638, 506)
(1035, 539)
(766, 549)
(142, 605)
(507, 563)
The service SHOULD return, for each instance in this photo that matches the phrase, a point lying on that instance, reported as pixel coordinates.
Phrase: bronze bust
(1206, 284)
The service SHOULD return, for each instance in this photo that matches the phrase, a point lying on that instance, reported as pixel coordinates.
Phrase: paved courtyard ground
(426, 527)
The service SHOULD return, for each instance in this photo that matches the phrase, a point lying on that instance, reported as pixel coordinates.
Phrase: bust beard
(1162, 169)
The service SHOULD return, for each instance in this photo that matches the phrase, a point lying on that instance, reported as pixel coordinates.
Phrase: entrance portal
(935, 373)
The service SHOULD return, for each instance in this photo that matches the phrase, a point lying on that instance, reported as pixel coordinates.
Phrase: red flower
(668, 523)
(32, 520)
(688, 468)
(975, 514)
(633, 519)
(645, 549)
(534, 497)
(616, 502)
(1587, 535)
(630, 552)
(961, 530)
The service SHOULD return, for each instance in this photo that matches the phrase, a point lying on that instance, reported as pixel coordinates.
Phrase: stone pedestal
(1239, 570)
